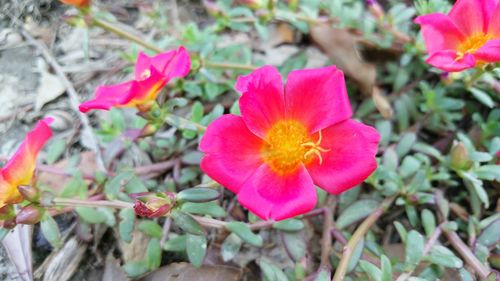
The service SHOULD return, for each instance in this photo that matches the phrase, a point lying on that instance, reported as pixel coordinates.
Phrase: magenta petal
(109, 96)
(447, 61)
(262, 102)
(494, 24)
(232, 151)
(269, 195)
(472, 16)
(489, 52)
(171, 64)
(317, 97)
(439, 32)
(350, 159)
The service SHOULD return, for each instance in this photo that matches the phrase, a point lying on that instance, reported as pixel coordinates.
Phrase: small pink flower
(20, 168)
(469, 35)
(288, 139)
(150, 76)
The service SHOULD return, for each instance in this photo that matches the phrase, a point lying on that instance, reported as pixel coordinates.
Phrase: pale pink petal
(262, 101)
(277, 197)
(109, 96)
(350, 159)
(19, 169)
(472, 16)
(489, 52)
(317, 97)
(232, 151)
(439, 32)
(447, 61)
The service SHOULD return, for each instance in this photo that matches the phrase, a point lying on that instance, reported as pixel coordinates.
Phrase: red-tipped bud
(152, 204)
(7, 212)
(30, 214)
(29, 193)
(77, 3)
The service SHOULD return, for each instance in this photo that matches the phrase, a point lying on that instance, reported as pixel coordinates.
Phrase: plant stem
(124, 34)
(467, 254)
(212, 64)
(90, 203)
(357, 236)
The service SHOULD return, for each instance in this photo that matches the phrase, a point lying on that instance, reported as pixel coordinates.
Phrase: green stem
(357, 236)
(212, 64)
(124, 34)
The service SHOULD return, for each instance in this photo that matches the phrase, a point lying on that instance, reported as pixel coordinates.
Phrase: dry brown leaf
(186, 272)
(17, 244)
(340, 46)
(87, 166)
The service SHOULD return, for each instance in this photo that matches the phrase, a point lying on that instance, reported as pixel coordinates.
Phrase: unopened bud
(459, 156)
(7, 212)
(9, 224)
(149, 130)
(29, 193)
(152, 204)
(212, 8)
(30, 214)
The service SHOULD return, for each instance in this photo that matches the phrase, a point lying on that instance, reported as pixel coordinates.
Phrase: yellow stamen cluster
(288, 144)
(472, 44)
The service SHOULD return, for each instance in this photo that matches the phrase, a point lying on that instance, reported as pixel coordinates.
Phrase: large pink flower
(150, 76)
(19, 169)
(468, 35)
(288, 139)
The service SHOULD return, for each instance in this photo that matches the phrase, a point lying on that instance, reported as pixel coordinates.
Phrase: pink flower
(20, 168)
(467, 36)
(288, 139)
(151, 75)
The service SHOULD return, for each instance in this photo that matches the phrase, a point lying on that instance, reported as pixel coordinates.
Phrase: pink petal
(262, 102)
(19, 169)
(489, 52)
(232, 151)
(472, 16)
(350, 159)
(439, 32)
(109, 96)
(317, 97)
(494, 24)
(447, 61)
(146, 90)
(174, 63)
(269, 195)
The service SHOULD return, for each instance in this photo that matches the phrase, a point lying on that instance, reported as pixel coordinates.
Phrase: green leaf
(153, 254)
(477, 185)
(414, 249)
(488, 172)
(323, 275)
(289, 225)
(196, 247)
(75, 187)
(187, 223)
(490, 235)
(401, 231)
(206, 208)
(109, 214)
(55, 150)
(271, 272)
(465, 275)
(126, 225)
(356, 255)
(230, 247)
(176, 243)
(198, 194)
(409, 166)
(50, 231)
(443, 256)
(355, 212)
(386, 268)
(295, 245)
(482, 97)
(151, 228)
(244, 232)
(371, 270)
(112, 187)
(91, 215)
(428, 222)
(405, 144)
(136, 268)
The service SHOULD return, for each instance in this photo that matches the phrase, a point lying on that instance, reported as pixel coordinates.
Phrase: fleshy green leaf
(244, 232)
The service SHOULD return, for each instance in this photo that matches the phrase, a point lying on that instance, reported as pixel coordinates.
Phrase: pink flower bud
(30, 214)
(152, 204)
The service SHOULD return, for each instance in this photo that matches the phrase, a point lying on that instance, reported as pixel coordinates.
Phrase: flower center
(472, 43)
(288, 144)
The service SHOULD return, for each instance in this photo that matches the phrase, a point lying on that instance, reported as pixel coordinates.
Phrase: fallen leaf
(49, 88)
(17, 244)
(340, 45)
(186, 272)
